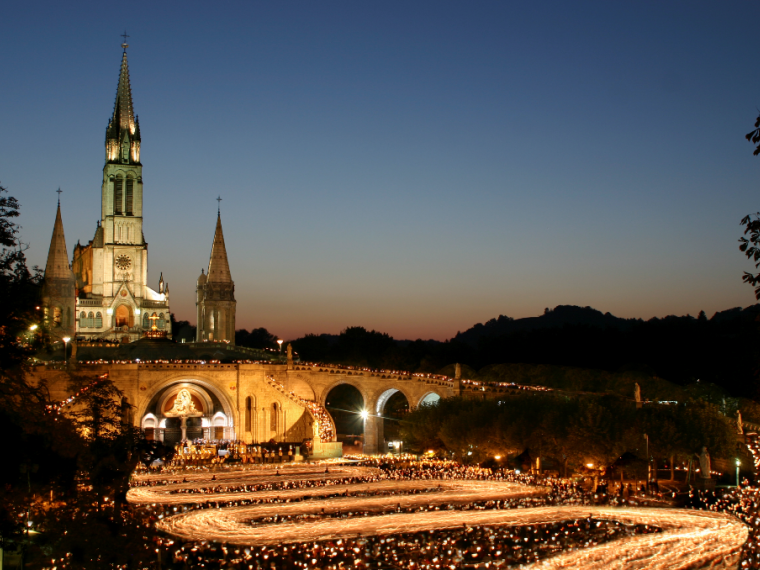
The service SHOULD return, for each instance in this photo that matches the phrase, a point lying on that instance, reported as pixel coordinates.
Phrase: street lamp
(65, 340)
(738, 463)
(364, 414)
(649, 463)
(280, 341)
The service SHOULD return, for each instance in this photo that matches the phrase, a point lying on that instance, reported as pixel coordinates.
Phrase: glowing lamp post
(738, 463)
(280, 341)
(65, 340)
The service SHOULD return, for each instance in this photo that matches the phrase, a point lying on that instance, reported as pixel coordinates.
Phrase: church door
(122, 316)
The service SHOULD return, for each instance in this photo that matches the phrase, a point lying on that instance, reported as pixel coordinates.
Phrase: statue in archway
(183, 408)
(739, 423)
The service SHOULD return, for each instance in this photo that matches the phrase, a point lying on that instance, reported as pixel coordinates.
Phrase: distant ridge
(572, 315)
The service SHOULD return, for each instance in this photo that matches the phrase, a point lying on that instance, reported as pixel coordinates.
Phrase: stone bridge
(254, 402)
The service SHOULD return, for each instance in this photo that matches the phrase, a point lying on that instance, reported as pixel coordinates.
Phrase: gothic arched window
(91, 319)
(161, 321)
(248, 414)
(129, 199)
(146, 321)
(98, 319)
(118, 191)
(273, 417)
(83, 320)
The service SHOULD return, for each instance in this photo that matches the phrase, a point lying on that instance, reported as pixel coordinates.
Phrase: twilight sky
(412, 167)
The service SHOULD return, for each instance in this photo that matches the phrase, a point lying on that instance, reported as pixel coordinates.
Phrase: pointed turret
(161, 283)
(216, 295)
(218, 266)
(59, 286)
(123, 132)
(57, 266)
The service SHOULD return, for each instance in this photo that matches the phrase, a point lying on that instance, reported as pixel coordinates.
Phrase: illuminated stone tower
(58, 287)
(215, 295)
(114, 300)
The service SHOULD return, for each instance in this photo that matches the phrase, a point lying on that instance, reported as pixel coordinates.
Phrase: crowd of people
(482, 547)
(498, 547)
(203, 452)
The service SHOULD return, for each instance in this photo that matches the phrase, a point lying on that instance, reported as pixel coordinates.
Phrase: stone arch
(171, 392)
(338, 382)
(180, 378)
(350, 419)
(429, 397)
(374, 433)
(381, 397)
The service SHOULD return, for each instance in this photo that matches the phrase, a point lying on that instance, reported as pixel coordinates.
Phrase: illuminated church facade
(104, 293)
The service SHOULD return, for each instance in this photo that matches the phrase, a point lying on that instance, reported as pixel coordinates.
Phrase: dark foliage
(78, 459)
(719, 350)
(257, 338)
(182, 331)
(567, 431)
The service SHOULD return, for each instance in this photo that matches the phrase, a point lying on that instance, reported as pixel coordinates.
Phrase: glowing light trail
(690, 539)
(337, 509)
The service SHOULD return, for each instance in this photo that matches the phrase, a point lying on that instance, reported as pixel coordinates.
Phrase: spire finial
(125, 45)
(219, 206)
(59, 196)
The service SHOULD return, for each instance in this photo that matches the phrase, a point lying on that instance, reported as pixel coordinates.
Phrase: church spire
(218, 266)
(57, 266)
(123, 132)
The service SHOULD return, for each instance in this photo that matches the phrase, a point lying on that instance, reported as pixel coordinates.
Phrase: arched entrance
(122, 316)
(187, 410)
(392, 406)
(345, 404)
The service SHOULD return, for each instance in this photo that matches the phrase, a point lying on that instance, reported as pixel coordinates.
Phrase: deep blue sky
(412, 167)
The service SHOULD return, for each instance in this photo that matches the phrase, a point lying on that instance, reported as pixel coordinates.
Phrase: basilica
(103, 294)
(112, 324)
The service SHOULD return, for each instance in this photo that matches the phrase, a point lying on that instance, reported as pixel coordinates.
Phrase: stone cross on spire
(59, 196)
(125, 45)
(219, 206)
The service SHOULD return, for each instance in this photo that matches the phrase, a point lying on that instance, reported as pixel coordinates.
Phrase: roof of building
(123, 120)
(218, 266)
(57, 266)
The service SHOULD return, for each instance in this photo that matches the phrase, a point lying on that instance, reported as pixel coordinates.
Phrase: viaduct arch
(255, 402)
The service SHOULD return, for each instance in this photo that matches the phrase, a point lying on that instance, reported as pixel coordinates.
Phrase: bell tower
(114, 299)
(215, 293)
(122, 193)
